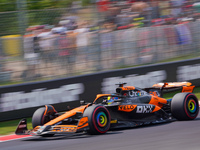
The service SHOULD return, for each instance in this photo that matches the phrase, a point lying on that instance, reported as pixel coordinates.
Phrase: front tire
(98, 119)
(39, 118)
(185, 106)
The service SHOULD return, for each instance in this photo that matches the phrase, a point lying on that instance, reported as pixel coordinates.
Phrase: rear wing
(170, 86)
(185, 86)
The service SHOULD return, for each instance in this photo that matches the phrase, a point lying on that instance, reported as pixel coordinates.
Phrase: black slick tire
(39, 119)
(98, 119)
(185, 106)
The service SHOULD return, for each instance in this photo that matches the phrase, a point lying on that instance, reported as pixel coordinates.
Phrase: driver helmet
(110, 99)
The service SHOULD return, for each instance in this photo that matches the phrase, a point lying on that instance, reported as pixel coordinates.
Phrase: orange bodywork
(153, 93)
(172, 84)
(128, 88)
(47, 109)
(156, 109)
(158, 101)
(83, 123)
(64, 128)
(188, 89)
(67, 115)
(126, 108)
(100, 95)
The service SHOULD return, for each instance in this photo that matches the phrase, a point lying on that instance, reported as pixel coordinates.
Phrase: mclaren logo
(126, 108)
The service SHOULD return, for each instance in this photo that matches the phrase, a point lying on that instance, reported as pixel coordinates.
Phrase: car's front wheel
(40, 117)
(98, 119)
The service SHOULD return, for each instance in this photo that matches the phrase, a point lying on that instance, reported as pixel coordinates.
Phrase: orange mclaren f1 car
(128, 107)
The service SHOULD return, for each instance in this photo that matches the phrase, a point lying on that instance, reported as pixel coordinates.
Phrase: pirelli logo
(126, 108)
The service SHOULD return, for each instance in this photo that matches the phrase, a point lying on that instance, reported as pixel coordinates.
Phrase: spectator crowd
(123, 33)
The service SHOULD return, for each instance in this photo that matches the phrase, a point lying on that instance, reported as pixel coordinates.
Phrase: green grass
(8, 127)
(171, 94)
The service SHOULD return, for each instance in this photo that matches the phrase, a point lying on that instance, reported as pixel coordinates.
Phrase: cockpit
(130, 91)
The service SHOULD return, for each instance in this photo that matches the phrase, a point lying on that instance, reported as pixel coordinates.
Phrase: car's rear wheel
(98, 119)
(39, 118)
(185, 106)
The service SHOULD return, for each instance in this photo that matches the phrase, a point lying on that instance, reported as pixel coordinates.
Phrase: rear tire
(98, 119)
(185, 106)
(39, 118)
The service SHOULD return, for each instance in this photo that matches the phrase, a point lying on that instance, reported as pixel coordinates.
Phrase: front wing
(54, 129)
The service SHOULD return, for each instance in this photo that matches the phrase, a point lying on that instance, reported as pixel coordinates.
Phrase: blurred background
(49, 39)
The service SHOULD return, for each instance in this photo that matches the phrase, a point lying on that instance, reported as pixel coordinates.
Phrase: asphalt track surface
(177, 135)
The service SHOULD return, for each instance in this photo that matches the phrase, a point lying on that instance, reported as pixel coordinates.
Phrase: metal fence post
(22, 19)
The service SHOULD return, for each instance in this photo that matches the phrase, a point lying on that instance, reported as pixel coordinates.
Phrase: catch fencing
(51, 56)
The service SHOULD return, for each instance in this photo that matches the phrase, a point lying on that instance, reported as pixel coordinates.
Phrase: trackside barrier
(18, 101)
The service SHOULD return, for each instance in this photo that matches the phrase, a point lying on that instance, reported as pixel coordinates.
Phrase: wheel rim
(192, 106)
(101, 119)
